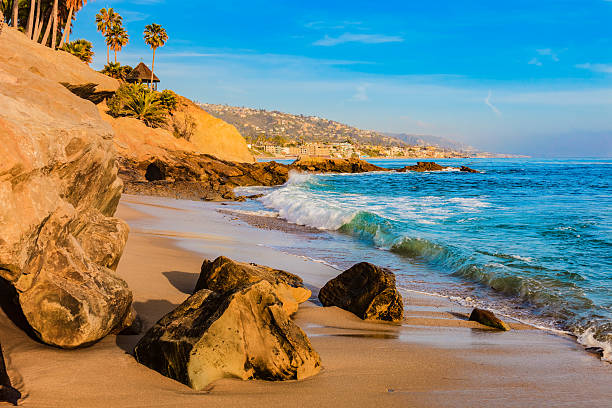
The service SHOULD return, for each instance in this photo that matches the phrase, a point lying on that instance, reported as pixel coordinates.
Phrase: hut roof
(141, 73)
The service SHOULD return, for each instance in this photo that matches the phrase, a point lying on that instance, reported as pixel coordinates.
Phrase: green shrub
(81, 49)
(137, 101)
(168, 100)
(117, 71)
(185, 128)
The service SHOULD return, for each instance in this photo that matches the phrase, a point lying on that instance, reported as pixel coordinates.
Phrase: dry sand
(434, 358)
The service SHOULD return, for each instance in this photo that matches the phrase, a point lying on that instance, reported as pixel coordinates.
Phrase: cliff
(59, 190)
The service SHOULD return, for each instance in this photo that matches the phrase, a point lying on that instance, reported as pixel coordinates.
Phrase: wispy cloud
(361, 95)
(604, 68)
(490, 105)
(535, 61)
(327, 25)
(328, 41)
(549, 52)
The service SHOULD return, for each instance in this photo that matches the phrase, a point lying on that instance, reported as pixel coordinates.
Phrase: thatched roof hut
(142, 74)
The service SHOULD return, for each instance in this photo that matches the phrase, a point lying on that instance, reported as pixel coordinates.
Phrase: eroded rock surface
(59, 190)
(245, 334)
(224, 275)
(7, 392)
(365, 290)
(488, 318)
(323, 165)
(423, 166)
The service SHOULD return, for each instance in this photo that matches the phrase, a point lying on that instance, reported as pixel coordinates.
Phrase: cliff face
(59, 190)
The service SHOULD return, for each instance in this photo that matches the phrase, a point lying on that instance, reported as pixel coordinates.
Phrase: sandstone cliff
(59, 190)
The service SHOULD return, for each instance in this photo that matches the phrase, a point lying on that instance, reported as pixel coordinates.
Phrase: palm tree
(80, 48)
(15, 17)
(117, 71)
(117, 38)
(29, 27)
(155, 36)
(54, 35)
(73, 7)
(106, 20)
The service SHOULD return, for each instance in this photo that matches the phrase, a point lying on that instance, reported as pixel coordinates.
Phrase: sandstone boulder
(323, 165)
(488, 318)
(365, 290)
(224, 275)
(59, 190)
(7, 392)
(245, 335)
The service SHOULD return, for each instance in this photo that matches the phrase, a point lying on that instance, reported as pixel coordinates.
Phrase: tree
(30, 26)
(15, 17)
(73, 7)
(117, 38)
(155, 36)
(136, 101)
(54, 35)
(80, 48)
(105, 21)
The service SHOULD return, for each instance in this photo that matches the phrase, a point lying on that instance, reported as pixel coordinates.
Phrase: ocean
(528, 238)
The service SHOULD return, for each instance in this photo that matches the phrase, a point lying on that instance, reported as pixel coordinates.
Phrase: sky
(525, 77)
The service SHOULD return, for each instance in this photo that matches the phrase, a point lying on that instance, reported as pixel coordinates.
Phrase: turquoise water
(527, 237)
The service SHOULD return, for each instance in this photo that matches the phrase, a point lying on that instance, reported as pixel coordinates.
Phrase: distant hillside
(277, 127)
(428, 140)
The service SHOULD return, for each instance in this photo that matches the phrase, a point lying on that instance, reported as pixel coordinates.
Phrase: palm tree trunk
(47, 30)
(38, 25)
(54, 36)
(152, 67)
(30, 26)
(15, 18)
(115, 55)
(66, 35)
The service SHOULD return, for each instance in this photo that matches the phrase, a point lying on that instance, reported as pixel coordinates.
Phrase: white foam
(522, 258)
(588, 339)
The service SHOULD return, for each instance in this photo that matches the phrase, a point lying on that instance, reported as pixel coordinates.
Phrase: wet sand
(434, 358)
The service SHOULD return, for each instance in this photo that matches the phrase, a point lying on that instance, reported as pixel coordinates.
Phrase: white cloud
(549, 53)
(605, 68)
(535, 61)
(490, 105)
(328, 41)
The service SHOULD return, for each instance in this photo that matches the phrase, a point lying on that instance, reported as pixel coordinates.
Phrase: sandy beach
(434, 358)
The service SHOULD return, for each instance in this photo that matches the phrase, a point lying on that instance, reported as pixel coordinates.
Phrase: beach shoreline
(433, 357)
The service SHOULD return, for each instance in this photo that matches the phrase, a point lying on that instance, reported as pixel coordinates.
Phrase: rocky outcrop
(245, 334)
(432, 166)
(323, 165)
(196, 176)
(7, 392)
(423, 166)
(488, 318)
(365, 290)
(467, 169)
(224, 275)
(59, 190)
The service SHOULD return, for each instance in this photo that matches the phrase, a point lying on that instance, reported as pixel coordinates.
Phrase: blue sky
(531, 77)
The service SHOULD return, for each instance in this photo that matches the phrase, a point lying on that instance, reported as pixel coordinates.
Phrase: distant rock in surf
(245, 334)
(365, 290)
(488, 318)
(432, 166)
(224, 275)
(325, 165)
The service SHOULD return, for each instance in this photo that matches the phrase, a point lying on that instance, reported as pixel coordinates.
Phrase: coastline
(434, 356)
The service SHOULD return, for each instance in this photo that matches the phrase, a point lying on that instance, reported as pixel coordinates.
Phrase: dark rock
(365, 290)
(224, 275)
(323, 165)
(595, 350)
(422, 166)
(468, 170)
(245, 334)
(488, 318)
(7, 392)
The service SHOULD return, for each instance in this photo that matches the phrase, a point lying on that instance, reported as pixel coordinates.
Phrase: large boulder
(365, 290)
(7, 392)
(488, 318)
(224, 275)
(59, 190)
(245, 335)
(422, 166)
